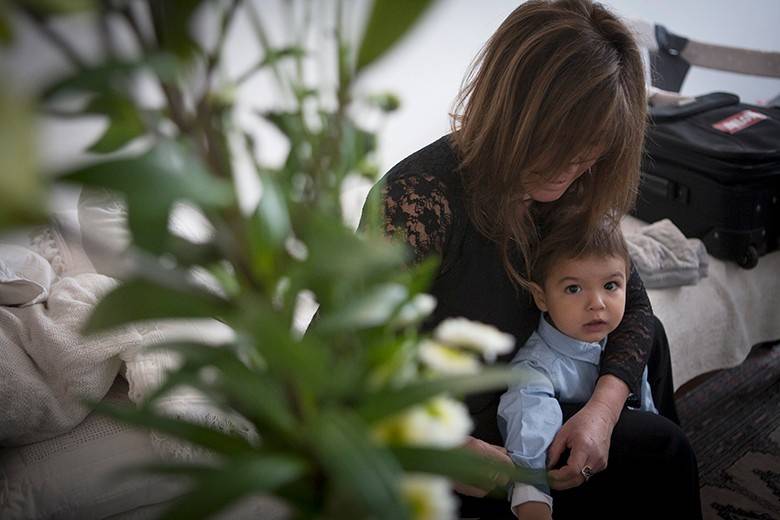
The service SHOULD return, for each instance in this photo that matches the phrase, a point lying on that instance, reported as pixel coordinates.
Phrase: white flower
(441, 422)
(416, 309)
(429, 497)
(447, 360)
(486, 339)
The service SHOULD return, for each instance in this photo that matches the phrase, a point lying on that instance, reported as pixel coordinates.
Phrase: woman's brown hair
(557, 82)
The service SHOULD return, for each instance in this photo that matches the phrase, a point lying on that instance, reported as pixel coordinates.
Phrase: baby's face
(585, 297)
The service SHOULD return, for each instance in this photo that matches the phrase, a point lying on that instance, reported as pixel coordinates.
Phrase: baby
(582, 296)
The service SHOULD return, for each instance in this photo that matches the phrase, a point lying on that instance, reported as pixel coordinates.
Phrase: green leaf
(260, 397)
(254, 394)
(341, 263)
(171, 20)
(276, 55)
(55, 7)
(190, 253)
(194, 358)
(224, 273)
(139, 300)
(124, 125)
(389, 360)
(268, 228)
(462, 465)
(304, 361)
(292, 126)
(356, 144)
(152, 182)
(216, 441)
(116, 136)
(6, 31)
(370, 309)
(386, 102)
(372, 220)
(362, 471)
(105, 77)
(419, 277)
(389, 401)
(272, 215)
(22, 198)
(288, 123)
(388, 22)
(236, 478)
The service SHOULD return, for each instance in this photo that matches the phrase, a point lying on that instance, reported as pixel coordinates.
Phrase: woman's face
(552, 190)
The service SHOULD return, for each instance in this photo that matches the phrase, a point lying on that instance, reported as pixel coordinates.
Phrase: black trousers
(652, 471)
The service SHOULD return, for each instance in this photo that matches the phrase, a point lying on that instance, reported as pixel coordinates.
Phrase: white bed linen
(714, 324)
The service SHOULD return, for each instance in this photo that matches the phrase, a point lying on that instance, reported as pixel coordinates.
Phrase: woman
(549, 125)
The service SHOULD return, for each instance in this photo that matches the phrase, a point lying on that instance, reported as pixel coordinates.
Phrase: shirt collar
(568, 346)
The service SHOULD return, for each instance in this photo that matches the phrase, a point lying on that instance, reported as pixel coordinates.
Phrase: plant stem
(224, 26)
(127, 13)
(54, 38)
(257, 25)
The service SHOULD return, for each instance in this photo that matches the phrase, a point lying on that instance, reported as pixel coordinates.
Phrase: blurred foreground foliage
(315, 403)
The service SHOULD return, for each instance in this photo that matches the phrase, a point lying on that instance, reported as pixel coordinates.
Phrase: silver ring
(587, 472)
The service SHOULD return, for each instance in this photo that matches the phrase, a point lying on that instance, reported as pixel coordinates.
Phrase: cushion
(82, 474)
(102, 219)
(25, 276)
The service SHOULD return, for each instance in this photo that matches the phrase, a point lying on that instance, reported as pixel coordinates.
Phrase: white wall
(426, 69)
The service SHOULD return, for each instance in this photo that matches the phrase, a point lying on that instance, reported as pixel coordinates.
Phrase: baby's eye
(572, 289)
(611, 286)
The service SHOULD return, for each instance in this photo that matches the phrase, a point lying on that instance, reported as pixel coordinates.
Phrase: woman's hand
(489, 451)
(587, 434)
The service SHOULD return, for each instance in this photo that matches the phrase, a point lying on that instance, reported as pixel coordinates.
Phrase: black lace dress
(424, 206)
(652, 470)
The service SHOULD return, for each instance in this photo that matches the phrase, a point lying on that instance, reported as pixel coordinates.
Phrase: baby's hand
(533, 511)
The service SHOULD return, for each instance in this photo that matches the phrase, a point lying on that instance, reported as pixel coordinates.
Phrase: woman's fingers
(556, 449)
(566, 477)
(587, 434)
(570, 475)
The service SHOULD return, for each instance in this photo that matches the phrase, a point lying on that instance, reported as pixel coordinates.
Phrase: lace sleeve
(417, 211)
(629, 345)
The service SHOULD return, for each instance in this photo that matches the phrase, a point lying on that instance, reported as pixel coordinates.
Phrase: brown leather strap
(733, 59)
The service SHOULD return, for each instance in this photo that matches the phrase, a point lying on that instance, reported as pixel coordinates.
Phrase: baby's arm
(529, 416)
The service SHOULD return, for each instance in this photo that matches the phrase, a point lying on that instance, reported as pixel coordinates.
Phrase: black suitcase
(712, 166)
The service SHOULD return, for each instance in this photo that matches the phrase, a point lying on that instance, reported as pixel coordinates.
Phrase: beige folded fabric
(664, 256)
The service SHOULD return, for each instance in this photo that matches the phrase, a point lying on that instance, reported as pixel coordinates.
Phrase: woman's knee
(678, 447)
(651, 437)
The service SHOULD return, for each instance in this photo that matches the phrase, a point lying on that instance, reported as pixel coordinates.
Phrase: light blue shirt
(557, 369)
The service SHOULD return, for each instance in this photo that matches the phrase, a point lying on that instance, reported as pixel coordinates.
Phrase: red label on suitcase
(739, 121)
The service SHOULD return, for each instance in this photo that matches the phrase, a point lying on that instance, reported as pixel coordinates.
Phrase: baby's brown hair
(567, 242)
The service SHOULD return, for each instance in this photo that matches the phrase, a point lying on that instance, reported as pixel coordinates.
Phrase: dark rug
(733, 422)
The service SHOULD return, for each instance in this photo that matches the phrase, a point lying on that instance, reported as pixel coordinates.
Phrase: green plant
(336, 411)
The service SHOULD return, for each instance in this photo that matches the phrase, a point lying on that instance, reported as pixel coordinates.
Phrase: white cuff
(522, 493)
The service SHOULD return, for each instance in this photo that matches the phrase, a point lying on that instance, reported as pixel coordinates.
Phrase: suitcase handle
(665, 113)
(665, 188)
(658, 186)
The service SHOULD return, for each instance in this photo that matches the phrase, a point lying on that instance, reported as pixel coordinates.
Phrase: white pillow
(25, 276)
(102, 220)
(84, 474)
